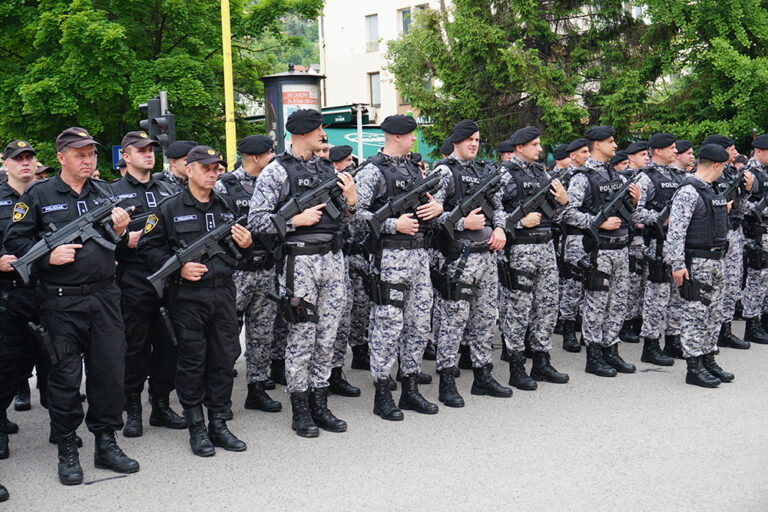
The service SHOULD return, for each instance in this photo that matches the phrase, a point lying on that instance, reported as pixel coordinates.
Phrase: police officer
(562, 159)
(81, 309)
(605, 292)
(202, 299)
(468, 309)
(530, 257)
(149, 351)
(620, 161)
(684, 158)
(505, 151)
(694, 249)
(255, 278)
(177, 154)
(401, 321)
(311, 274)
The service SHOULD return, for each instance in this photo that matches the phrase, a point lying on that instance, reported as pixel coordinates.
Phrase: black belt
(707, 254)
(477, 249)
(206, 283)
(255, 266)
(572, 230)
(322, 248)
(54, 290)
(531, 239)
(416, 243)
(612, 244)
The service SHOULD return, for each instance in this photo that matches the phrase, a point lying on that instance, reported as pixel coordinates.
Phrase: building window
(375, 85)
(404, 16)
(372, 26)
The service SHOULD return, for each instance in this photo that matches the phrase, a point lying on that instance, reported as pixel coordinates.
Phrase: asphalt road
(635, 442)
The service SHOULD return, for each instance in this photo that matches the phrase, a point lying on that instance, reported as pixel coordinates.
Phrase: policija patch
(151, 223)
(19, 211)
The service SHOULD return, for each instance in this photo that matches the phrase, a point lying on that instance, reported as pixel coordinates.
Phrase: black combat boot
(70, 472)
(11, 427)
(430, 352)
(570, 342)
(596, 365)
(361, 357)
(3, 494)
(220, 435)
(411, 399)
(448, 394)
(424, 378)
(614, 360)
(465, 361)
(163, 416)
(456, 372)
(517, 375)
(109, 456)
(338, 385)
(754, 332)
(559, 325)
(542, 369)
(269, 384)
(528, 352)
(302, 420)
(764, 321)
(392, 383)
(321, 415)
(5, 451)
(672, 346)
(383, 404)
(133, 427)
(626, 334)
(259, 399)
(504, 352)
(52, 439)
(21, 402)
(653, 354)
(728, 339)
(708, 360)
(198, 436)
(698, 375)
(485, 384)
(278, 372)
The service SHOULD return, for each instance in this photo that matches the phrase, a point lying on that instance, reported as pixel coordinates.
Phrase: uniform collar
(133, 181)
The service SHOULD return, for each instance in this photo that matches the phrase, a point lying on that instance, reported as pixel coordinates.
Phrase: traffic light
(159, 125)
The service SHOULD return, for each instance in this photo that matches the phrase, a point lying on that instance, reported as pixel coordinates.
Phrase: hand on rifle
(558, 190)
(120, 220)
(634, 192)
(430, 210)
(309, 216)
(531, 220)
(193, 271)
(348, 186)
(749, 178)
(64, 254)
(475, 221)
(407, 225)
(5, 262)
(611, 224)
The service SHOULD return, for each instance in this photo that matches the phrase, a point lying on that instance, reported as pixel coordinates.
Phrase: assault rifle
(541, 200)
(733, 188)
(618, 205)
(404, 202)
(477, 197)
(325, 191)
(82, 228)
(207, 245)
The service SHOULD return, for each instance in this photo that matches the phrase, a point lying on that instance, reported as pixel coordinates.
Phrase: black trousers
(206, 328)
(149, 351)
(88, 329)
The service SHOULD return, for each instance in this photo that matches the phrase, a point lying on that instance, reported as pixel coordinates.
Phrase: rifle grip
(331, 209)
(22, 270)
(280, 225)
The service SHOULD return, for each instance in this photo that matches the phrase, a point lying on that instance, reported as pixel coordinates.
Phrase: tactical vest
(725, 179)
(664, 187)
(399, 178)
(525, 186)
(464, 179)
(300, 180)
(710, 230)
(600, 192)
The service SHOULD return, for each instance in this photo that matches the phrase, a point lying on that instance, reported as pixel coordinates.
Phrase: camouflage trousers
(406, 330)
(701, 324)
(756, 288)
(637, 279)
(259, 312)
(572, 297)
(662, 306)
(353, 328)
(537, 307)
(319, 279)
(605, 310)
(279, 338)
(476, 317)
(734, 272)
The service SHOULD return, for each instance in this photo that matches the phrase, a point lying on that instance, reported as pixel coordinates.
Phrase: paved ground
(635, 442)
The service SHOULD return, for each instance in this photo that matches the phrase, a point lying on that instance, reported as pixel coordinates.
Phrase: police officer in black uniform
(149, 350)
(202, 300)
(82, 306)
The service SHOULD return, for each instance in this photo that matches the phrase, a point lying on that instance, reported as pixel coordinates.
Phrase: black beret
(205, 155)
(179, 148)
(303, 121)
(446, 148)
(16, 148)
(683, 145)
(74, 137)
(637, 147)
(339, 153)
(398, 124)
(661, 140)
(760, 142)
(138, 139)
(620, 156)
(600, 133)
(720, 140)
(416, 157)
(561, 152)
(714, 153)
(255, 144)
(463, 130)
(577, 144)
(524, 135)
(506, 147)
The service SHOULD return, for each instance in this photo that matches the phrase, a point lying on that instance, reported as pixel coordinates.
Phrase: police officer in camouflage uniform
(530, 264)
(255, 278)
(605, 298)
(684, 158)
(468, 257)
(401, 322)
(694, 249)
(177, 155)
(312, 269)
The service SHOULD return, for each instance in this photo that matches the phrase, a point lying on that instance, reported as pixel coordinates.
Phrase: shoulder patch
(19, 211)
(151, 223)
